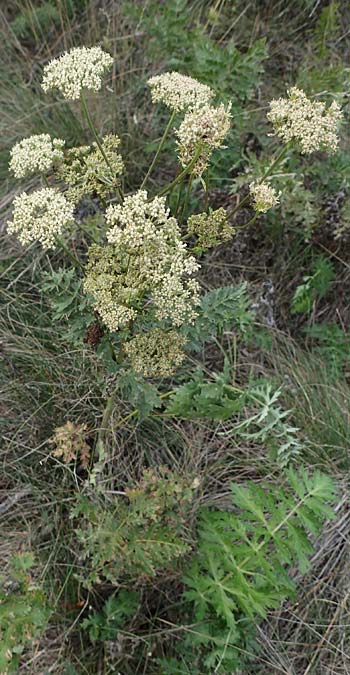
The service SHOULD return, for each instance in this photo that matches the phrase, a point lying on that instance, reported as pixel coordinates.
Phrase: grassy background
(248, 52)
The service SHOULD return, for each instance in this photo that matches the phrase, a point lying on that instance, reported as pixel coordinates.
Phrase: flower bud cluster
(179, 92)
(157, 353)
(86, 172)
(36, 153)
(307, 122)
(42, 215)
(146, 267)
(264, 197)
(202, 131)
(80, 68)
(211, 228)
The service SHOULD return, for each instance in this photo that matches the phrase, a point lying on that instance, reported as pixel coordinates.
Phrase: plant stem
(87, 116)
(69, 253)
(181, 175)
(159, 149)
(250, 222)
(206, 183)
(105, 421)
(92, 128)
(187, 196)
(133, 413)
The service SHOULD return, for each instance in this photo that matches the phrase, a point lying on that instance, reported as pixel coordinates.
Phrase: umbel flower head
(80, 68)
(146, 267)
(85, 171)
(70, 443)
(205, 129)
(179, 92)
(307, 122)
(157, 353)
(211, 228)
(264, 197)
(42, 215)
(36, 153)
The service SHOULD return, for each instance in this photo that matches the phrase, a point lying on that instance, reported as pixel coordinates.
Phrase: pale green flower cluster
(202, 131)
(80, 68)
(179, 92)
(40, 216)
(308, 123)
(36, 153)
(85, 171)
(157, 353)
(211, 228)
(146, 267)
(264, 197)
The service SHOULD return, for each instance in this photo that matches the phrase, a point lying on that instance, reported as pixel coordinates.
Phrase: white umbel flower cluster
(36, 153)
(40, 216)
(307, 122)
(80, 68)
(205, 128)
(138, 220)
(146, 267)
(179, 92)
(264, 197)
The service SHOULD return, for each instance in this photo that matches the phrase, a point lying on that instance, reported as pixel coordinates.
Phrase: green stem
(69, 253)
(206, 183)
(265, 175)
(178, 200)
(133, 413)
(44, 178)
(159, 149)
(105, 421)
(181, 175)
(187, 196)
(250, 222)
(93, 130)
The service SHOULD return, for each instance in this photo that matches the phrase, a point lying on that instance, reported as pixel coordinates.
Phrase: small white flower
(205, 127)
(307, 122)
(40, 216)
(80, 68)
(179, 92)
(146, 265)
(36, 153)
(264, 197)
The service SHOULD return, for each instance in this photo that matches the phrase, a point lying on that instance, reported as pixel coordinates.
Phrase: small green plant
(333, 345)
(222, 309)
(140, 535)
(200, 398)
(241, 567)
(71, 309)
(256, 414)
(23, 611)
(315, 286)
(268, 423)
(104, 625)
